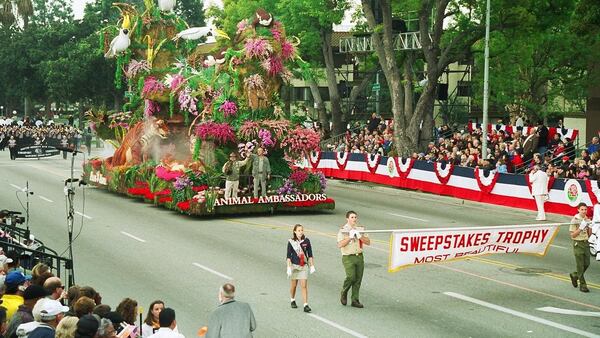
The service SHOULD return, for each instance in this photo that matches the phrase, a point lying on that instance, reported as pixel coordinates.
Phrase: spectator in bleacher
(106, 329)
(55, 288)
(542, 133)
(15, 285)
(102, 310)
(87, 327)
(373, 123)
(594, 146)
(67, 327)
(2, 321)
(151, 323)
(24, 314)
(90, 292)
(39, 273)
(128, 310)
(168, 323)
(84, 306)
(51, 313)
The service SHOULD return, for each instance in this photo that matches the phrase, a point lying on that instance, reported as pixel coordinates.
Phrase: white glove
(357, 234)
(352, 233)
(312, 269)
(289, 271)
(583, 225)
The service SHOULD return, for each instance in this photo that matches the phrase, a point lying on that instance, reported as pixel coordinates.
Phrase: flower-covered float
(187, 108)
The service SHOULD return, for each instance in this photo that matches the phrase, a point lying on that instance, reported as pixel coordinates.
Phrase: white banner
(414, 247)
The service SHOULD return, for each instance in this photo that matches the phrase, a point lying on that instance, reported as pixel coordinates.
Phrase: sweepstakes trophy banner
(422, 246)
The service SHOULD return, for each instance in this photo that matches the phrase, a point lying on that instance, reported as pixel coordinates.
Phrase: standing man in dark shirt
(542, 132)
(373, 123)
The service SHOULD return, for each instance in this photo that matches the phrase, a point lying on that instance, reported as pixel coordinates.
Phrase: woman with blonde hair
(66, 327)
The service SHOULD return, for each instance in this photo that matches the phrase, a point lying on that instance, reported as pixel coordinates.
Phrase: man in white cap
(51, 312)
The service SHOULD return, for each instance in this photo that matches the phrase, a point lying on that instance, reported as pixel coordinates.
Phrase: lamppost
(1, 110)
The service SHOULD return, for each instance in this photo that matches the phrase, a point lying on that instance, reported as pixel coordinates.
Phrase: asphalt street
(127, 248)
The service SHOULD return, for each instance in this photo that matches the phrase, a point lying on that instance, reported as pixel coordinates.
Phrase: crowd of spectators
(28, 131)
(32, 306)
(508, 152)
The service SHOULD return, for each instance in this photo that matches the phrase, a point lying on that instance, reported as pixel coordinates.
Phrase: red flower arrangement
(166, 174)
(221, 133)
(199, 188)
(96, 163)
(299, 177)
(184, 206)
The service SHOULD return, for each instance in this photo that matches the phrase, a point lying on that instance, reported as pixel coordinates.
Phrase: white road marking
(569, 312)
(16, 187)
(559, 246)
(45, 198)
(409, 217)
(338, 326)
(522, 315)
(84, 215)
(212, 271)
(132, 236)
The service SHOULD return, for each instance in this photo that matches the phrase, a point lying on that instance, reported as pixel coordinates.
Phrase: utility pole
(486, 75)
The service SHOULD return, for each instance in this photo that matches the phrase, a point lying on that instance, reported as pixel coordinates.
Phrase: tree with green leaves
(449, 30)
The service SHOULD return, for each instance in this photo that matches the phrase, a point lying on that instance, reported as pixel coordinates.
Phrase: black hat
(87, 326)
(34, 292)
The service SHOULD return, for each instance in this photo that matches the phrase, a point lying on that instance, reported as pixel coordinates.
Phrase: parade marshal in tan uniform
(580, 231)
(350, 241)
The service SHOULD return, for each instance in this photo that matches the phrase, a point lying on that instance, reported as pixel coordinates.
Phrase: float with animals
(188, 107)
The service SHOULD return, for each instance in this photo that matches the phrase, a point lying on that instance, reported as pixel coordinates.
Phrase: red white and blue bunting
(315, 158)
(404, 166)
(486, 183)
(442, 172)
(372, 162)
(341, 158)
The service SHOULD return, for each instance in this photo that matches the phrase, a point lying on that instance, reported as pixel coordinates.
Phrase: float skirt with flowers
(196, 193)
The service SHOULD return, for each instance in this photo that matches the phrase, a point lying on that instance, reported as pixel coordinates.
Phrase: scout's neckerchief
(296, 246)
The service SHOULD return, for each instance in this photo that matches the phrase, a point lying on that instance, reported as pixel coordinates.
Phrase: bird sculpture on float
(121, 42)
(195, 33)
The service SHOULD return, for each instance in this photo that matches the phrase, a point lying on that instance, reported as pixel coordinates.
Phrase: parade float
(188, 107)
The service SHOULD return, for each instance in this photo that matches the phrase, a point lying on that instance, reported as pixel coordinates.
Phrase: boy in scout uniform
(580, 231)
(350, 241)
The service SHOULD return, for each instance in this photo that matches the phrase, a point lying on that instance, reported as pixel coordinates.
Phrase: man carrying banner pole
(350, 241)
(580, 231)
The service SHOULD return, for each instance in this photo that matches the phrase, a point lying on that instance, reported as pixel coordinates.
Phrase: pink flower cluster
(221, 133)
(174, 81)
(266, 138)
(299, 177)
(228, 108)
(248, 130)
(136, 67)
(288, 51)
(187, 101)
(152, 86)
(151, 108)
(242, 25)
(259, 48)
(273, 65)
(300, 141)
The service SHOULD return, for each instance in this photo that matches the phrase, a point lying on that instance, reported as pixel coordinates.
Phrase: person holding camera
(580, 230)
(351, 241)
(299, 258)
(539, 190)
(231, 169)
